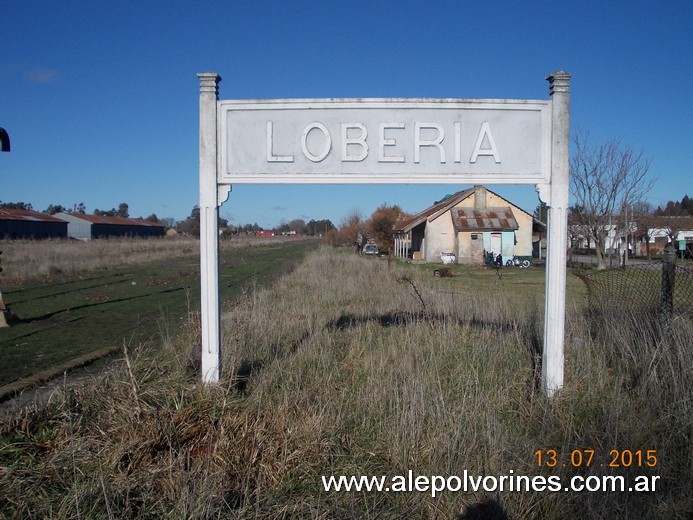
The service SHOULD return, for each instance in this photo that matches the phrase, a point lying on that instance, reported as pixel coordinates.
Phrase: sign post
(557, 244)
(209, 229)
(386, 141)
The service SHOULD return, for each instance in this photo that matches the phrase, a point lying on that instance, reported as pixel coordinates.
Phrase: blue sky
(101, 98)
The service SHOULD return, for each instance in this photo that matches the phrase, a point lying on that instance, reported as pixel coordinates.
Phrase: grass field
(133, 292)
(355, 366)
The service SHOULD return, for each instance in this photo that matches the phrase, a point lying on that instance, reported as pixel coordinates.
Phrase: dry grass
(30, 261)
(350, 366)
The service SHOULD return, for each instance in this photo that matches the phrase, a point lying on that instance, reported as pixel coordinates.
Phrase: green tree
(687, 204)
(123, 210)
(676, 208)
(541, 212)
(249, 229)
(17, 205)
(52, 209)
(283, 227)
(191, 225)
(319, 227)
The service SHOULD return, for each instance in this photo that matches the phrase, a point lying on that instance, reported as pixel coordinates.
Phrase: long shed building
(86, 227)
(22, 223)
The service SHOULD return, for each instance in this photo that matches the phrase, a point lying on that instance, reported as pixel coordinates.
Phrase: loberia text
(355, 142)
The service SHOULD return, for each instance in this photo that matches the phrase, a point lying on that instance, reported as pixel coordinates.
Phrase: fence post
(666, 302)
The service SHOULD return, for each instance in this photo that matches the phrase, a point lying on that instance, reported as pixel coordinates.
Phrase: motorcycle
(517, 262)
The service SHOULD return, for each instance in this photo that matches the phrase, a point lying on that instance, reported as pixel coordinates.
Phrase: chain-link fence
(657, 292)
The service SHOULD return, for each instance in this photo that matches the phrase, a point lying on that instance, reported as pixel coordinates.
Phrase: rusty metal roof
(489, 219)
(499, 218)
(438, 207)
(26, 216)
(119, 221)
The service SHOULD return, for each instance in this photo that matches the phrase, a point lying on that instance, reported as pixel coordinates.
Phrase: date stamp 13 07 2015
(586, 457)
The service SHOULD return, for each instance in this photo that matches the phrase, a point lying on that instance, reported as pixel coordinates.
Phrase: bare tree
(350, 232)
(604, 179)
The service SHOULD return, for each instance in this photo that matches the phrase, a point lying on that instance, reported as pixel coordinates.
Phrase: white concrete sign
(369, 141)
(394, 141)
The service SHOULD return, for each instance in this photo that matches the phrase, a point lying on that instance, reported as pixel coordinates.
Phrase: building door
(496, 243)
(476, 251)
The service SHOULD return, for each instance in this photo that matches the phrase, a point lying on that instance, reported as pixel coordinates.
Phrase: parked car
(370, 249)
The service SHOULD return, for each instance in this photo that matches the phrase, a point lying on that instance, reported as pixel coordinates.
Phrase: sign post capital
(209, 82)
(559, 81)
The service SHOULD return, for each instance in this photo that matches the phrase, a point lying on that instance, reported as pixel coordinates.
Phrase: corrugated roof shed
(84, 227)
(26, 215)
(118, 221)
(22, 223)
